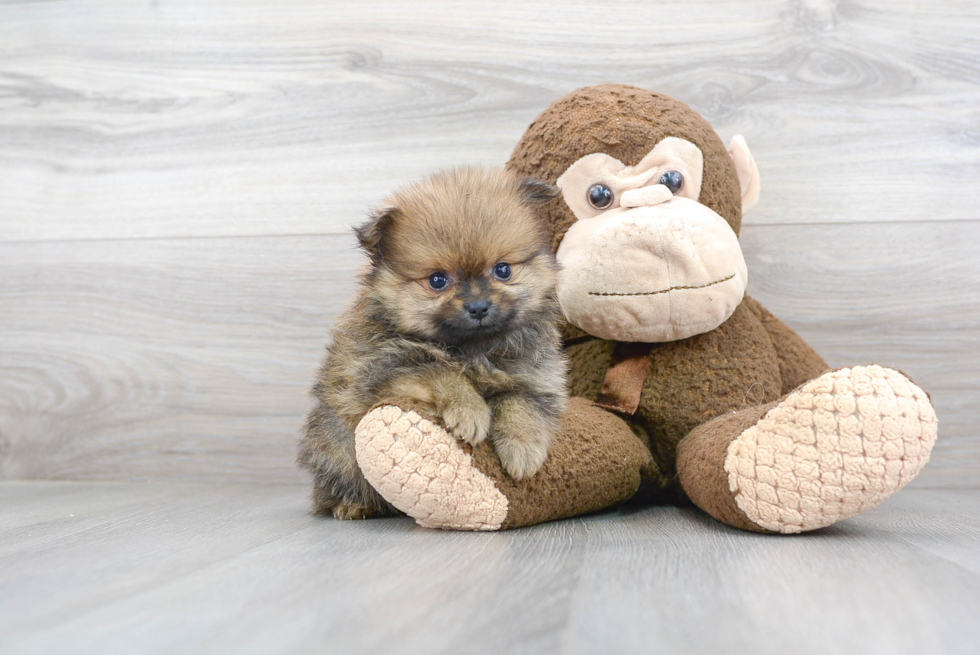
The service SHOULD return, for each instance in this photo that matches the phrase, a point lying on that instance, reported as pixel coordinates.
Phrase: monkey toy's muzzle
(658, 271)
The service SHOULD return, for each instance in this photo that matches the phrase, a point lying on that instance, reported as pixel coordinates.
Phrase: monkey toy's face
(645, 261)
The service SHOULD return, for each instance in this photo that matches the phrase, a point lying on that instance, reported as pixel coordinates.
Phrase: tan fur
(403, 343)
(445, 393)
(521, 435)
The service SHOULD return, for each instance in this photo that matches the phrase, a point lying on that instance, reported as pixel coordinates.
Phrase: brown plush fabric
(625, 122)
(798, 362)
(696, 379)
(690, 381)
(748, 361)
(701, 465)
(594, 462)
(588, 361)
(623, 384)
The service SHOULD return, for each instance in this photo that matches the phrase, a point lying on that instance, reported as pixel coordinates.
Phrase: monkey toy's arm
(798, 362)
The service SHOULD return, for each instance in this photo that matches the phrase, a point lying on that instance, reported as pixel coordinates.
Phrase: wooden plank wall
(178, 179)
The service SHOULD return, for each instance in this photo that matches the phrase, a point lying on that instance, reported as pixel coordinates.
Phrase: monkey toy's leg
(831, 448)
(828, 450)
(594, 462)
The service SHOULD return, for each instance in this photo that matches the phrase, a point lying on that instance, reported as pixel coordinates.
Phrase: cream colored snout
(647, 196)
(657, 268)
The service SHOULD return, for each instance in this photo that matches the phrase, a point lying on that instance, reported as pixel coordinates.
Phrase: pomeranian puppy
(456, 318)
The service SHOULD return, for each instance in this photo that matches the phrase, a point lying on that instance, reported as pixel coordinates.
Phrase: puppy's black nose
(477, 309)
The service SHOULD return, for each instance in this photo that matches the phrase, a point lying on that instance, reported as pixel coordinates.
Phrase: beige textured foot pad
(421, 469)
(835, 447)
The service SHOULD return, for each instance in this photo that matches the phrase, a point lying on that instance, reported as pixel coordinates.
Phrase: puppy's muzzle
(478, 309)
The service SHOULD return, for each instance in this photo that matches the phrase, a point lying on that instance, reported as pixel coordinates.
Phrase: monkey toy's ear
(534, 192)
(371, 234)
(748, 173)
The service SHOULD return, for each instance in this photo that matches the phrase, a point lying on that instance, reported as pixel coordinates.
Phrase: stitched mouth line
(654, 293)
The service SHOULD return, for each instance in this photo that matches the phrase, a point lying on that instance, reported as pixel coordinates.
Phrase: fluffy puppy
(456, 318)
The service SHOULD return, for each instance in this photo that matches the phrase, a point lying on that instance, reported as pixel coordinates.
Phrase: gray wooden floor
(182, 568)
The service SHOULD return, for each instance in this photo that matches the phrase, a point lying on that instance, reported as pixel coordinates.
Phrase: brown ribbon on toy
(623, 383)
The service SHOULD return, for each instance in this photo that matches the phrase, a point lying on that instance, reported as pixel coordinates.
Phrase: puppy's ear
(534, 192)
(371, 235)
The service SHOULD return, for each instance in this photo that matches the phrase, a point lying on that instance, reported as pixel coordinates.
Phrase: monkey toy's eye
(600, 196)
(501, 271)
(438, 281)
(673, 180)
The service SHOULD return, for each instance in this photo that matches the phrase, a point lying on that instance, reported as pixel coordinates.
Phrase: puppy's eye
(501, 271)
(600, 196)
(673, 180)
(438, 281)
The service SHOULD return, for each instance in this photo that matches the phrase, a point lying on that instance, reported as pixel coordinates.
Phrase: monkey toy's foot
(417, 466)
(832, 448)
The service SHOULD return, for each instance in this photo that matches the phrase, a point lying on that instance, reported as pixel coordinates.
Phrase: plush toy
(683, 385)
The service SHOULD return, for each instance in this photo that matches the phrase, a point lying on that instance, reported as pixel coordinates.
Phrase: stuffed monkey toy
(682, 385)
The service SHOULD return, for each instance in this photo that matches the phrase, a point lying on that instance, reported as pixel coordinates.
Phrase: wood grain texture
(212, 118)
(167, 568)
(177, 181)
(191, 358)
(157, 358)
(905, 296)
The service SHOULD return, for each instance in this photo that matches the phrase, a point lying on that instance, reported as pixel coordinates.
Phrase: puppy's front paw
(521, 457)
(469, 422)
(351, 511)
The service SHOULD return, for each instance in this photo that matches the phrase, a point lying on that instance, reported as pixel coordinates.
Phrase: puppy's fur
(497, 373)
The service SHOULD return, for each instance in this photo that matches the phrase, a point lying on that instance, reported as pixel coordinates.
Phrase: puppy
(456, 318)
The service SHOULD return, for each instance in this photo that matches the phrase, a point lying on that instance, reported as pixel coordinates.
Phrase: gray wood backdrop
(178, 180)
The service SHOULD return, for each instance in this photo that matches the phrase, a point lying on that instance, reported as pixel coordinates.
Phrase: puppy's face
(459, 258)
